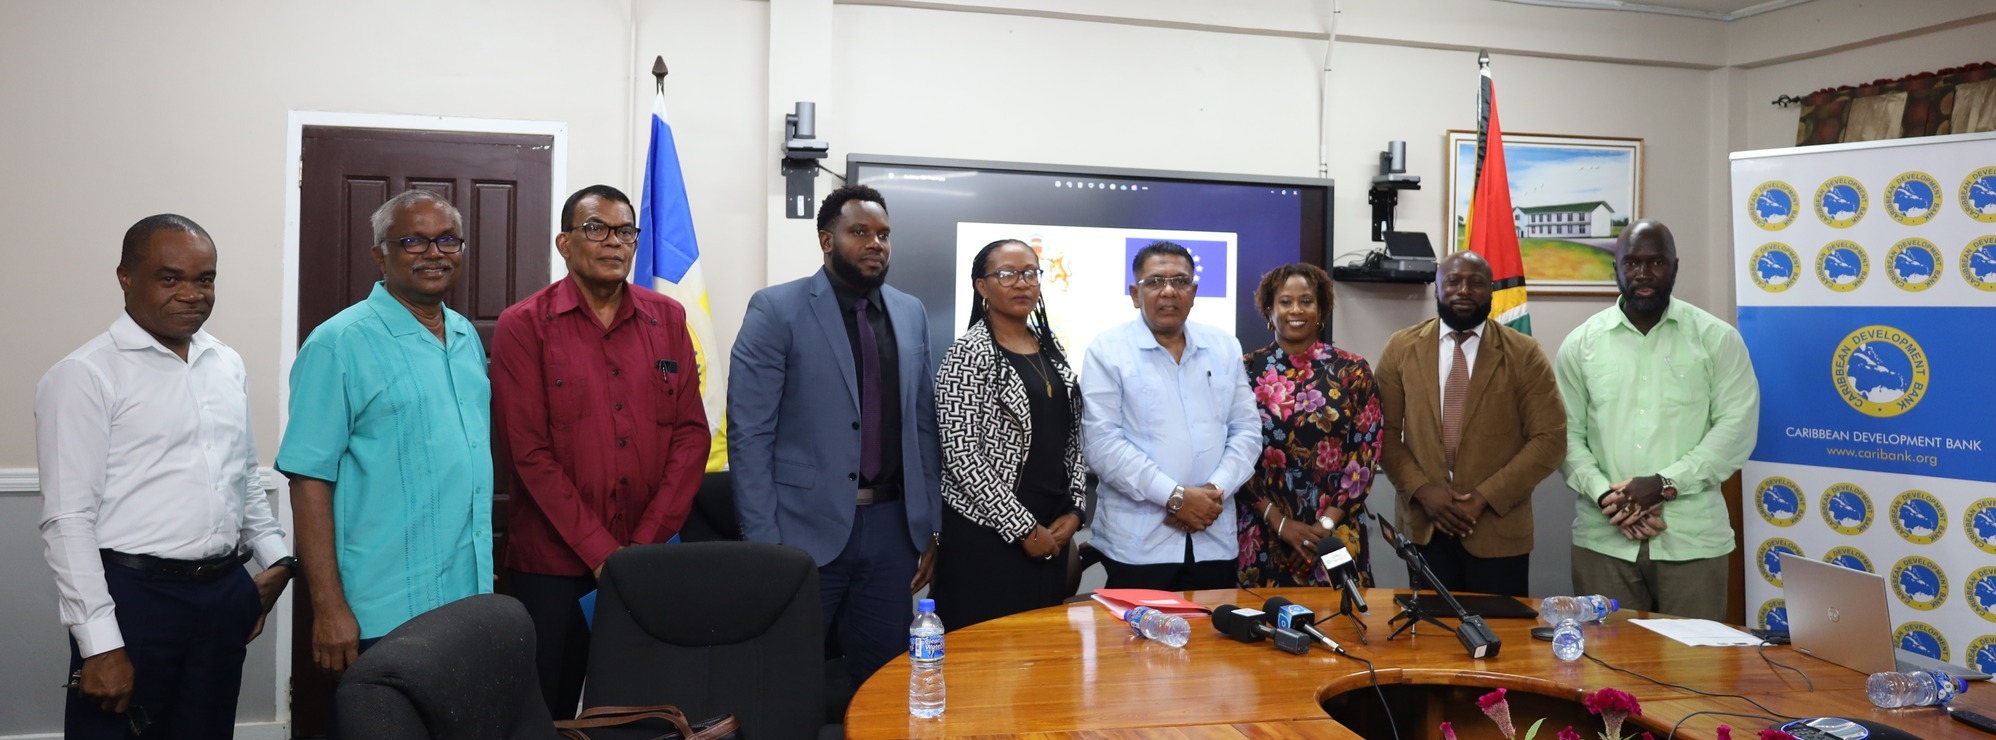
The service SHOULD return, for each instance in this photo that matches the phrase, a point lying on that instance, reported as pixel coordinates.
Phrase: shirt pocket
(565, 392)
(1605, 378)
(1687, 382)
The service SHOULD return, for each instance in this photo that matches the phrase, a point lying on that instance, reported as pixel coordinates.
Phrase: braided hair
(1037, 323)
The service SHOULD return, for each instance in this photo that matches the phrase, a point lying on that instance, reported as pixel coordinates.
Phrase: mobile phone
(1542, 633)
(1972, 719)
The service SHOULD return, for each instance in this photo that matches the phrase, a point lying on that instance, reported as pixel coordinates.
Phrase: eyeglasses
(597, 232)
(447, 244)
(1012, 277)
(1160, 282)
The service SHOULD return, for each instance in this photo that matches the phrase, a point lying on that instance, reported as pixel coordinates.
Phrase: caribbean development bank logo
(1772, 205)
(1769, 557)
(1982, 653)
(1880, 371)
(1918, 517)
(1848, 557)
(1978, 263)
(1773, 267)
(1911, 198)
(1847, 509)
(1913, 264)
(1922, 638)
(1780, 501)
(1919, 583)
(1840, 202)
(1980, 523)
(1978, 195)
(1774, 614)
(1981, 587)
(1842, 265)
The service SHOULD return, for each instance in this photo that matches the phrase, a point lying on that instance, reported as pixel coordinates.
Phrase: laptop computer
(1843, 616)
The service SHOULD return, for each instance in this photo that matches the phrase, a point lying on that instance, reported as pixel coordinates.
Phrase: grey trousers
(1682, 588)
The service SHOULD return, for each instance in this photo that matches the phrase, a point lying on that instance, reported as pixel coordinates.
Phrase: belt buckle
(865, 497)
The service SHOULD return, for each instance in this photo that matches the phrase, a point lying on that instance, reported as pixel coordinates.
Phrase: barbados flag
(1490, 229)
(668, 257)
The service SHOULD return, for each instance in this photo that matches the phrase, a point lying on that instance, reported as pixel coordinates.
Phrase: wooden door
(501, 184)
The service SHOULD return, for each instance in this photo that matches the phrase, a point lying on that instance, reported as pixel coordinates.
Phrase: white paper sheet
(1698, 632)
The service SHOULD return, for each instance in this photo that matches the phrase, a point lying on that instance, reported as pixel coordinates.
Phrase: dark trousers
(1462, 572)
(1188, 575)
(864, 591)
(561, 636)
(186, 641)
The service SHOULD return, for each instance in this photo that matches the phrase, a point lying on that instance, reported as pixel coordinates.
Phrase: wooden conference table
(1076, 672)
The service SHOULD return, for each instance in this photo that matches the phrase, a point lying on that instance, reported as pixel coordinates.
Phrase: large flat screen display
(1087, 224)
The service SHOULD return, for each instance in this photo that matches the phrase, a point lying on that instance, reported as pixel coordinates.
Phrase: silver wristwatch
(1177, 500)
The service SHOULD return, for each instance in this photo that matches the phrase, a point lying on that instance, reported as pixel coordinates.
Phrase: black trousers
(1463, 572)
(561, 636)
(1189, 575)
(186, 641)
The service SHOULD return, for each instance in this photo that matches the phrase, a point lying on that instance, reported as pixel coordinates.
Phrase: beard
(849, 271)
(1653, 305)
(1462, 321)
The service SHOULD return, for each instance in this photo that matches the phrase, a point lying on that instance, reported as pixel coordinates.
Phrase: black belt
(183, 570)
(880, 493)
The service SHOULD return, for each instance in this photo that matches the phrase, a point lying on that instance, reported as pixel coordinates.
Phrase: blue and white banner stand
(1866, 276)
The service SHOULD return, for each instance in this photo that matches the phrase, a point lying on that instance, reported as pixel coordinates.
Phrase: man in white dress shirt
(151, 503)
(1169, 424)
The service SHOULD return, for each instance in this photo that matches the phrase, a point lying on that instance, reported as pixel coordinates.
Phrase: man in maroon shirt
(593, 382)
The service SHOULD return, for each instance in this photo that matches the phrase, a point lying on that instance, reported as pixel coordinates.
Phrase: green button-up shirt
(1680, 401)
(401, 424)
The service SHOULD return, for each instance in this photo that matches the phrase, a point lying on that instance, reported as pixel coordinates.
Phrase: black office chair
(463, 670)
(713, 628)
(713, 517)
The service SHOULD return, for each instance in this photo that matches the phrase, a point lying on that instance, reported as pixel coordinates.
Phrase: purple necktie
(869, 395)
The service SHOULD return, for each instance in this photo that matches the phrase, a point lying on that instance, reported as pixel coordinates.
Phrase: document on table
(1698, 632)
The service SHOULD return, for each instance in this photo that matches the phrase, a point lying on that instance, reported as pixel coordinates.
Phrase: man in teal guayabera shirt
(1661, 407)
(389, 442)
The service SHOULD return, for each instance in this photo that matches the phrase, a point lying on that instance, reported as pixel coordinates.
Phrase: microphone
(1337, 561)
(1474, 633)
(1246, 625)
(1291, 615)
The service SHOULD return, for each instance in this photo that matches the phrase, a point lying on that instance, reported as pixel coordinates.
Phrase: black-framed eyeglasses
(596, 231)
(1160, 282)
(1012, 277)
(447, 244)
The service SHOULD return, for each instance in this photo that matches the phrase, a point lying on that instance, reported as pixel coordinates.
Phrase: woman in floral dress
(1320, 423)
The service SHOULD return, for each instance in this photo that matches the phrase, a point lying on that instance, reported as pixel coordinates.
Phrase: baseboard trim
(28, 480)
(244, 731)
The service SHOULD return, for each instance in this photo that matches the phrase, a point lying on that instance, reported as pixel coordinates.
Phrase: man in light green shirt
(1661, 407)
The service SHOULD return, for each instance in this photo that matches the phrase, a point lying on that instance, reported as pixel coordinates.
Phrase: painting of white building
(1589, 220)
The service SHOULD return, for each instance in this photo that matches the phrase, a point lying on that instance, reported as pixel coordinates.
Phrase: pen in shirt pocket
(666, 368)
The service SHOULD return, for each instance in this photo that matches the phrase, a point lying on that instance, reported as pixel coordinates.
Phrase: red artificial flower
(1494, 698)
(1567, 734)
(1725, 732)
(1499, 711)
(1607, 699)
(1448, 731)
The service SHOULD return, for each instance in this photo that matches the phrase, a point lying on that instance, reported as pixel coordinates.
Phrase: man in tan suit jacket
(1473, 524)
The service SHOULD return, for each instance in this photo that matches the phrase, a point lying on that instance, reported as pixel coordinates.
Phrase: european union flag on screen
(1209, 263)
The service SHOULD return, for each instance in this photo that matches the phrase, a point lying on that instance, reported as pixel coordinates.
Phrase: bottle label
(925, 647)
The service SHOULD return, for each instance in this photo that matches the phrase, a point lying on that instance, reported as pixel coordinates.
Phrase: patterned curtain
(1957, 100)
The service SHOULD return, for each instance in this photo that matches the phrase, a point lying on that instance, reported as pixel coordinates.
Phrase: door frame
(279, 622)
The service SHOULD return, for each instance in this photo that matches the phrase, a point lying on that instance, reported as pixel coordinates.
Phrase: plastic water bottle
(1891, 690)
(926, 693)
(1169, 629)
(1567, 641)
(1583, 609)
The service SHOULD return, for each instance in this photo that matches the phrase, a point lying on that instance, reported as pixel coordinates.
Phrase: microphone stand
(1475, 634)
(1347, 610)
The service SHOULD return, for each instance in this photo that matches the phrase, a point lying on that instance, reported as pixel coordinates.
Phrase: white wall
(137, 108)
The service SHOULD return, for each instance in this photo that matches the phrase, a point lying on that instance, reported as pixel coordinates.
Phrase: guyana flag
(1489, 229)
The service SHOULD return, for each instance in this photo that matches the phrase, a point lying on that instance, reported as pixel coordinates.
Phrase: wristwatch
(1177, 500)
(288, 562)
(1669, 488)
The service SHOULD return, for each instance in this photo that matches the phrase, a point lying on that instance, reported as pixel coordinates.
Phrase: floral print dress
(1320, 428)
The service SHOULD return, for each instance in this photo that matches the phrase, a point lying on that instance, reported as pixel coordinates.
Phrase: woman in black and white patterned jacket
(1008, 409)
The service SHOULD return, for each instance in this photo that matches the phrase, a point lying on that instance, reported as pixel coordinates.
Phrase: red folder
(1119, 600)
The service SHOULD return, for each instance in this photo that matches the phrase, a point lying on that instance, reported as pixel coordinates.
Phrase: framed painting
(1570, 197)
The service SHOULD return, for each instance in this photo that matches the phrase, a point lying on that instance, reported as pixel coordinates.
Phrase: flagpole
(658, 72)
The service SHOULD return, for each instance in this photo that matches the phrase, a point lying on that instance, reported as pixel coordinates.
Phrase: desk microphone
(1247, 625)
(1287, 614)
(1336, 558)
(1474, 634)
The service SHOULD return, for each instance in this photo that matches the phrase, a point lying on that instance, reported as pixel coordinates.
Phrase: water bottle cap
(926, 605)
(1960, 684)
(1614, 606)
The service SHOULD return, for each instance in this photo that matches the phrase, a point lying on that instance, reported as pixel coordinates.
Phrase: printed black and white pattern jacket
(985, 422)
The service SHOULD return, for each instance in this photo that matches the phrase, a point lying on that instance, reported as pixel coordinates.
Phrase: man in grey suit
(851, 477)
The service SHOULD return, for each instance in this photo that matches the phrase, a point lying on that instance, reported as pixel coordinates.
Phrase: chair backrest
(712, 628)
(462, 670)
(713, 517)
